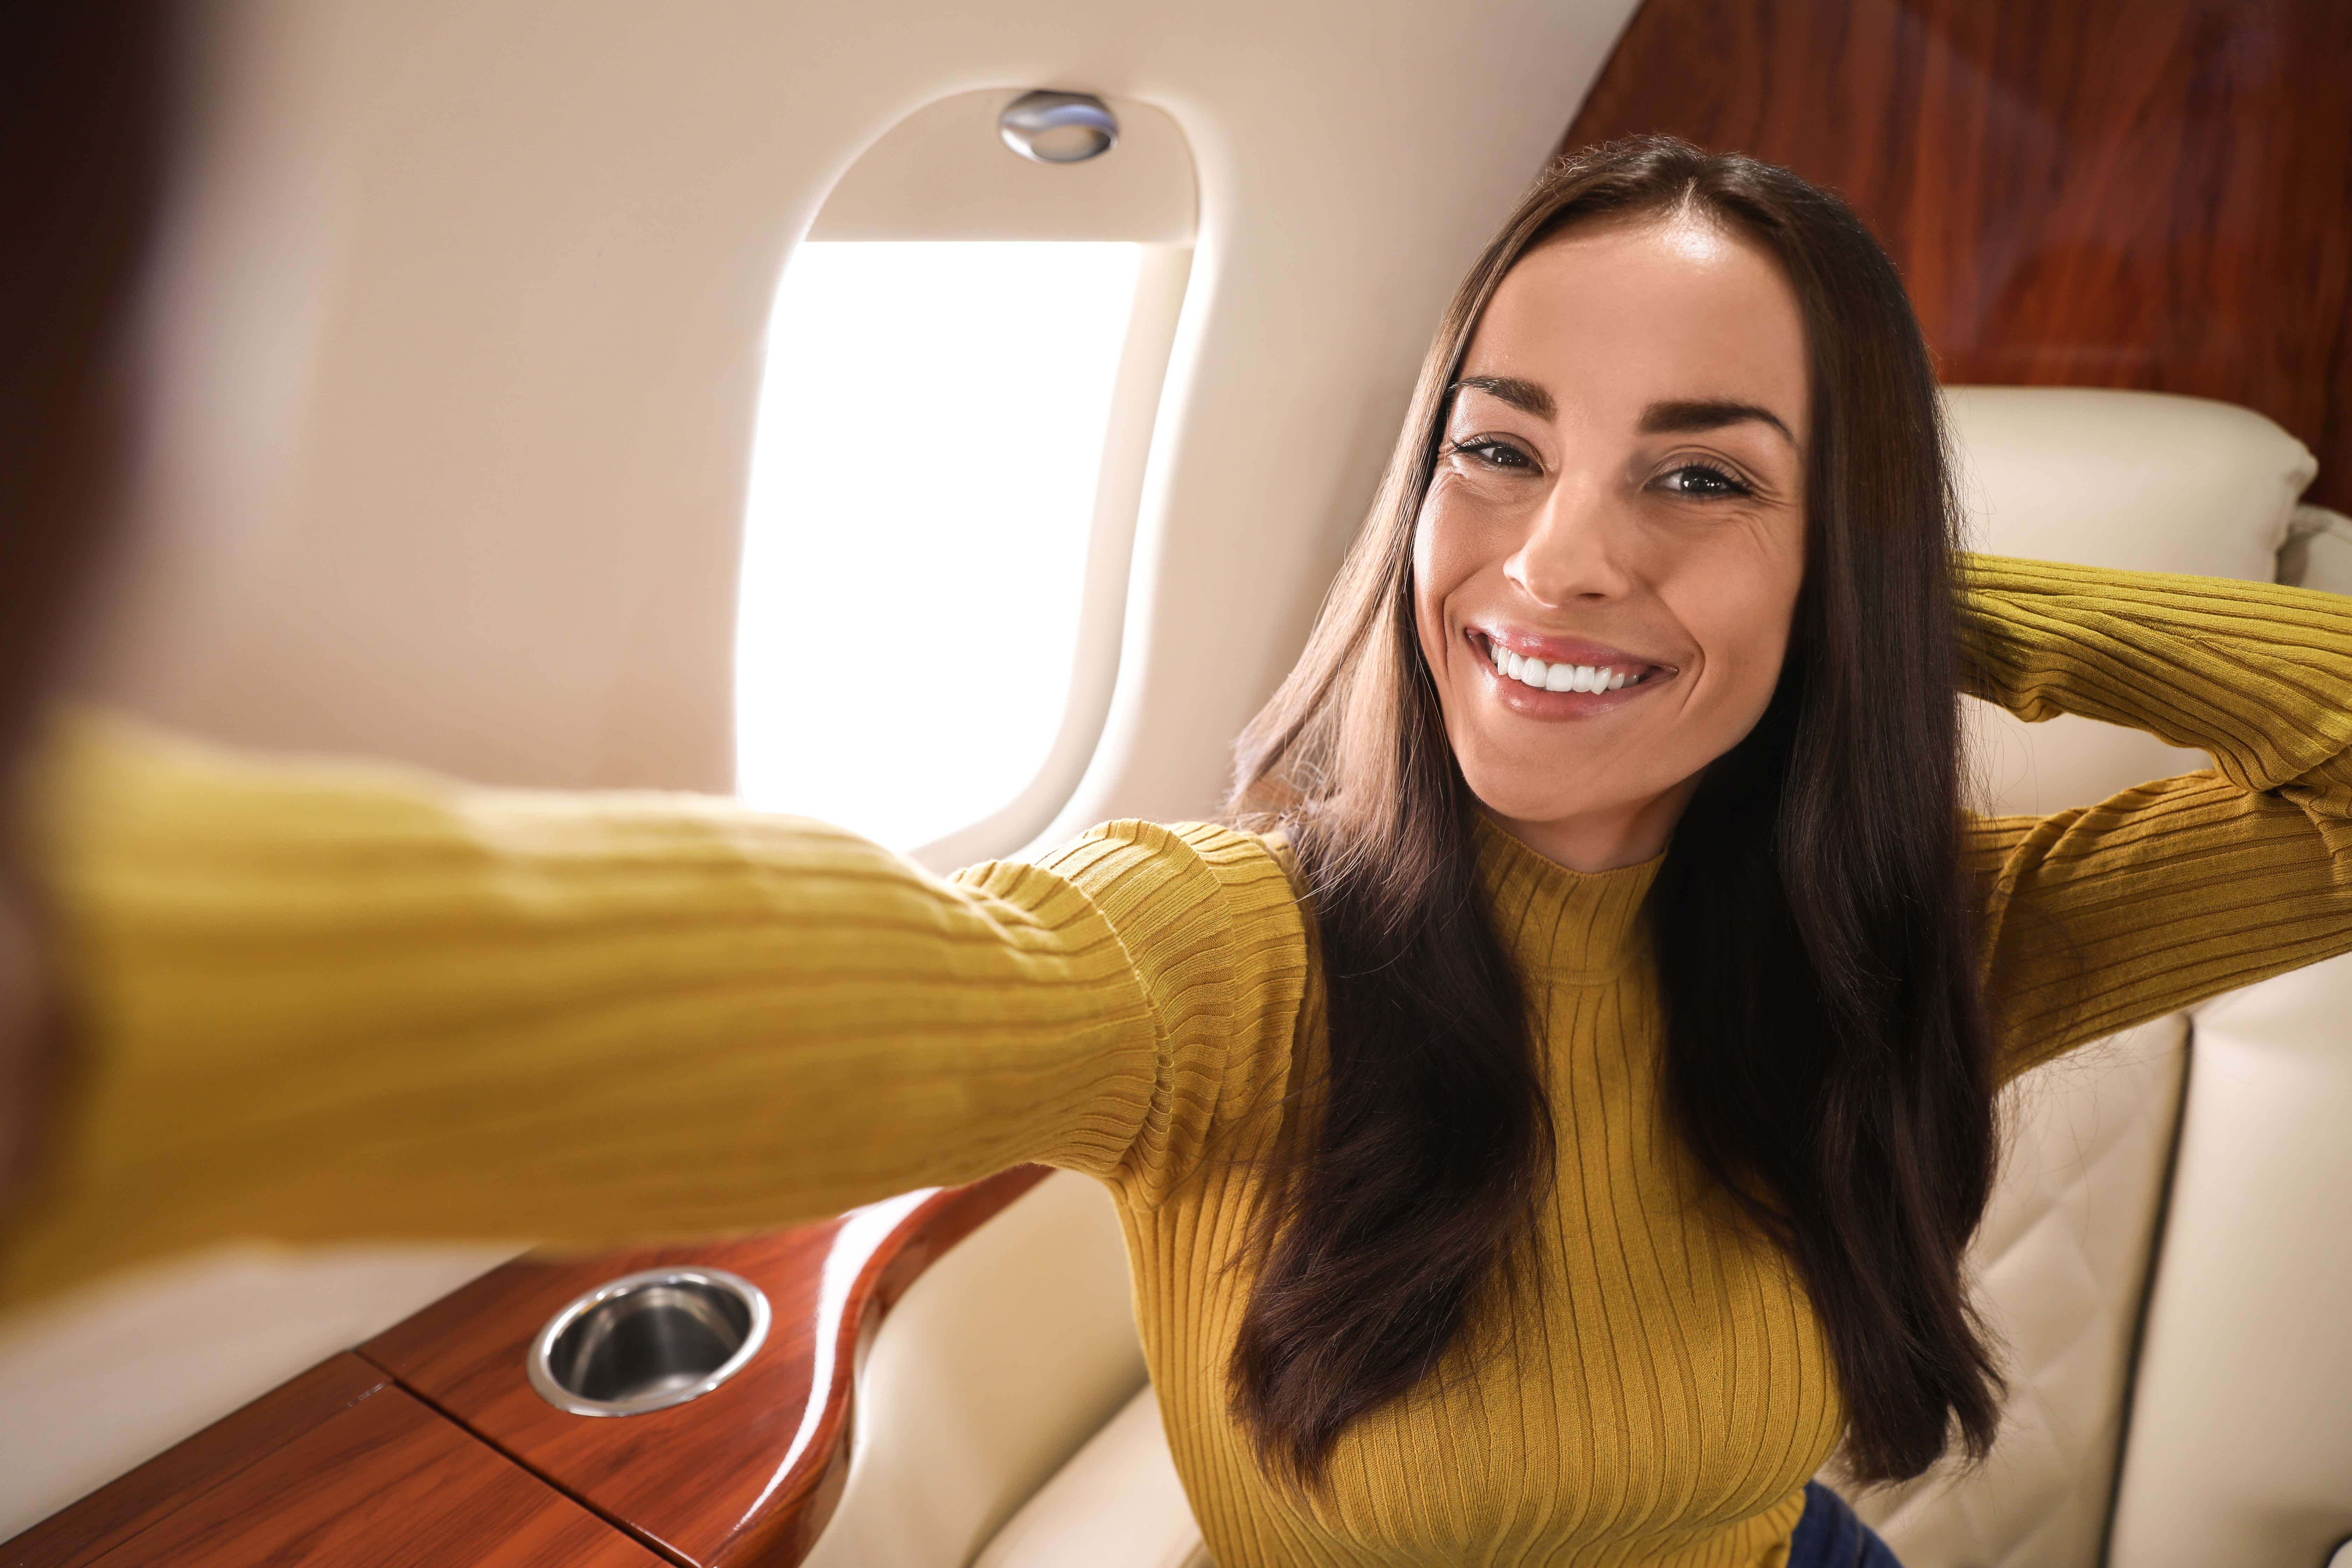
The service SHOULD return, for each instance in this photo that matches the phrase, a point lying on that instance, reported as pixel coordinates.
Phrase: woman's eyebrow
(1524, 395)
(1713, 414)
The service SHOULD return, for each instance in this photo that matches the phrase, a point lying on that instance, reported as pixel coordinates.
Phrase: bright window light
(931, 426)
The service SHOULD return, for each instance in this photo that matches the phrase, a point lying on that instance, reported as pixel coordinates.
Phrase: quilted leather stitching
(2062, 1265)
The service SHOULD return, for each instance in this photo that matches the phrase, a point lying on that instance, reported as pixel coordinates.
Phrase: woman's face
(1607, 559)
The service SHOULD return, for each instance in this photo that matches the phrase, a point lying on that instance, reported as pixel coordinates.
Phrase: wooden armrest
(83, 1532)
(750, 1472)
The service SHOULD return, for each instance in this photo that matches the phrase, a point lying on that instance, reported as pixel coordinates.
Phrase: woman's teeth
(1545, 676)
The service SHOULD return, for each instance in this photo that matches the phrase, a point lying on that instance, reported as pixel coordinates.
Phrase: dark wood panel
(385, 1481)
(88, 1529)
(2150, 193)
(751, 1471)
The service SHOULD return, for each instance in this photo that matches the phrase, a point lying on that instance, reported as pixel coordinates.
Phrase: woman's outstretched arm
(2103, 916)
(329, 1001)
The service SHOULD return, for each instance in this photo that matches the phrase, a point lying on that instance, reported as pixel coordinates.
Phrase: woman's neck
(1605, 840)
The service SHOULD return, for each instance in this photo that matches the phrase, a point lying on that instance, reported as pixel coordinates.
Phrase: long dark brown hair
(1825, 1057)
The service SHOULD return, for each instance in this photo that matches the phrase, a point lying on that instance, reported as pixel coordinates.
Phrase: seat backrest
(2152, 483)
(998, 1364)
(2240, 1445)
(2132, 480)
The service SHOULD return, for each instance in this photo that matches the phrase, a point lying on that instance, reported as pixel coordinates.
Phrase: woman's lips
(1563, 678)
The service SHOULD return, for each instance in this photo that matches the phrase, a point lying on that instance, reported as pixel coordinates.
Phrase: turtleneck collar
(1572, 925)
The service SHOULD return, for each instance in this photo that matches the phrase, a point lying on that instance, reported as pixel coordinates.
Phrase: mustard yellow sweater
(335, 1001)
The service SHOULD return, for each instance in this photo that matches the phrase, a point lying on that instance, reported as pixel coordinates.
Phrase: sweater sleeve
(324, 1001)
(2104, 916)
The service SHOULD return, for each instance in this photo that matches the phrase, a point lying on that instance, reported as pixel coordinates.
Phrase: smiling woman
(1620, 491)
(1642, 442)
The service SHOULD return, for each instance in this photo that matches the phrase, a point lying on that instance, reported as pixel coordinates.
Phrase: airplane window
(963, 371)
(931, 439)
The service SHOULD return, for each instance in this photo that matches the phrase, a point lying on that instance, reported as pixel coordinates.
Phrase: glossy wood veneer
(748, 1473)
(337, 1469)
(2150, 193)
(88, 1529)
(385, 1482)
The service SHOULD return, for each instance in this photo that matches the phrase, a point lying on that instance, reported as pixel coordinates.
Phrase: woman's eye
(1494, 454)
(1700, 481)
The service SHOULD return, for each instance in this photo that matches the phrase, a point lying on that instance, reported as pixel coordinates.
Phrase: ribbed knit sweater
(331, 1001)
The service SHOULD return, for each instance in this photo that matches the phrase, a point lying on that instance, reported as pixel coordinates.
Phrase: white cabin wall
(459, 340)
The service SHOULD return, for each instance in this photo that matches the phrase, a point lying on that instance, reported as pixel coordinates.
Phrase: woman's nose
(1573, 550)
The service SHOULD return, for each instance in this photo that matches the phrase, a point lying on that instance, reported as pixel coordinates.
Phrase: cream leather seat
(2220, 1344)
(2108, 1451)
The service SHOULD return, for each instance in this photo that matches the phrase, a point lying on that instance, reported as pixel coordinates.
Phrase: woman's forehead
(1610, 318)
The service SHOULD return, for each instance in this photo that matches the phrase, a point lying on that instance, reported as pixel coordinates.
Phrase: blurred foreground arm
(336, 1000)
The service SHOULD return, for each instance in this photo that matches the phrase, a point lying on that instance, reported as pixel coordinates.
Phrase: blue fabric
(1829, 1536)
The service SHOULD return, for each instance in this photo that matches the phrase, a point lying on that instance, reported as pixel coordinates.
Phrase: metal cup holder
(646, 1342)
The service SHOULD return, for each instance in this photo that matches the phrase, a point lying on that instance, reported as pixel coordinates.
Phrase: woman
(1547, 1122)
